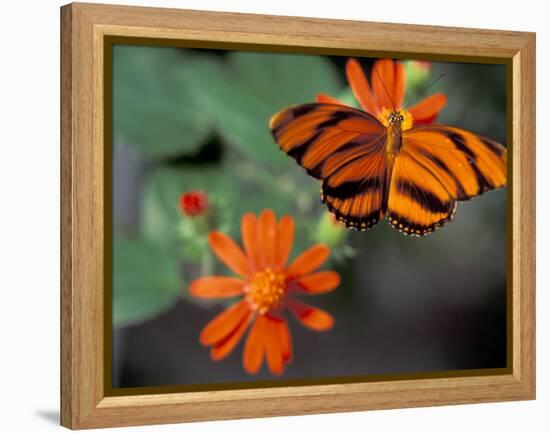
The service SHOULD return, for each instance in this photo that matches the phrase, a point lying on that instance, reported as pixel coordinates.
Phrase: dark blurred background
(186, 120)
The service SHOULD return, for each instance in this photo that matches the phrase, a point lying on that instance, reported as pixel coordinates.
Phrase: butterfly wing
(344, 147)
(437, 166)
(355, 190)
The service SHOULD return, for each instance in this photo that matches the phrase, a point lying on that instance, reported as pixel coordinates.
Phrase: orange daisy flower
(388, 81)
(267, 285)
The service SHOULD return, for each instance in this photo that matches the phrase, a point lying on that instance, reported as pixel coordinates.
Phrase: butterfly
(389, 165)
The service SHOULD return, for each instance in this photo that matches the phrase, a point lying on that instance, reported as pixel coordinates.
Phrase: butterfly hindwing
(355, 192)
(418, 202)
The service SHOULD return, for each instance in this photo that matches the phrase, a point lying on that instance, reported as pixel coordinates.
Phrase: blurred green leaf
(329, 231)
(348, 98)
(154, 108)
(418, 75)
(162, 220)
(242, 95)
(145, 281)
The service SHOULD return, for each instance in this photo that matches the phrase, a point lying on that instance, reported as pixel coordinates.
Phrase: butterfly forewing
(466, 163)
(311, 133)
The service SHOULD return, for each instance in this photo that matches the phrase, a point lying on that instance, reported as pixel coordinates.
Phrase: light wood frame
(84, 403)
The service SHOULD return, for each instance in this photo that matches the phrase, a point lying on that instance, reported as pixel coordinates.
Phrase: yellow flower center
(266, 289)
(406, 123)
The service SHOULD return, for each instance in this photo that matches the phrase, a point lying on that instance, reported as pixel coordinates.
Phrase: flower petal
(360, 86)
(267, 232)
(285, 239)
(319, 282)
(217, 287)
(274, 353)
(285, 340)
(224, 323)
(382, 78)
(249, 232)
(428, 108)
(230, 253)
(311, 317)
(309, 260)
(226, 346)
(326, 99)
(254, 347)
(400, 84)
(426, 121)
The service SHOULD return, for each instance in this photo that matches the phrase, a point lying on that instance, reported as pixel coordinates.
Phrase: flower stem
(207, 264)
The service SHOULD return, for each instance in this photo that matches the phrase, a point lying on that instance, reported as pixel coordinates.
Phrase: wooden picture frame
(85, 402)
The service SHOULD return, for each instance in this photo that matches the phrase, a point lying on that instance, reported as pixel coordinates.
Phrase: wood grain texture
(84, 403)
(524, 215)
(67, 384)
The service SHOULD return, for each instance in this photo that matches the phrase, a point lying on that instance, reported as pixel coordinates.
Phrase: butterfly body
(411, 175)
(392, 147)
(394, 139)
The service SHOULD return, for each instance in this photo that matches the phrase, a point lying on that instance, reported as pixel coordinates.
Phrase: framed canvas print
(267, 216)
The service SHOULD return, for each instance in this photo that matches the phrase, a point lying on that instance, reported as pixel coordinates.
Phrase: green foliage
(418, 75)
(146, 281)
(346, 96)
(335, 235)
(153, 108)
(242, 95)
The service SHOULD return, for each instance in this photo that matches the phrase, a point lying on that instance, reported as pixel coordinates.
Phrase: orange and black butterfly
(388, 162)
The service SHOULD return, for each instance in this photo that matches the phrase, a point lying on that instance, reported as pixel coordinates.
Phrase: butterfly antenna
(428, 87)
(384, 86)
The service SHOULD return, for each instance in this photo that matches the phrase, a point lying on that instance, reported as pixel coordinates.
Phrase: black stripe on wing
(368, 190)
(460, 143)
(427, 200)
(352, 188)
(424, 206)
(443, 166)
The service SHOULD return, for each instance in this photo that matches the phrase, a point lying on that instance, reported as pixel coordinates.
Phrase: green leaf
(347, 97)
(242, 96)
(145, 281)
(154, 107)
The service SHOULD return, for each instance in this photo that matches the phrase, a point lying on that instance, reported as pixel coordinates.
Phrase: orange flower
(388, 81)
(266, 284)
